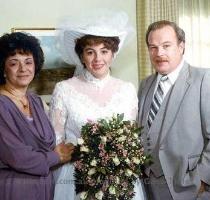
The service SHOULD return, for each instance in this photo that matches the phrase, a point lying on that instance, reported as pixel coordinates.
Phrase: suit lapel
(145, 98)
(175, 99)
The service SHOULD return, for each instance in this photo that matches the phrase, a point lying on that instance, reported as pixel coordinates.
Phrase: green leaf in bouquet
(105, 124)
(102, 170)
(120, 117)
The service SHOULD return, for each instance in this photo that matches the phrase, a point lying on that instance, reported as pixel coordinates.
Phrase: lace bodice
(82, 98)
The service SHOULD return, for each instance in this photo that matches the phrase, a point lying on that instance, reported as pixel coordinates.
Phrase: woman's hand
(64, 151)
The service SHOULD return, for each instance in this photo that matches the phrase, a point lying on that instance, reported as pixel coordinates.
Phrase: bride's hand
(64, 151)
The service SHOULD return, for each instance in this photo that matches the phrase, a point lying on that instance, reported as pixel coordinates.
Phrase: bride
(93, 93)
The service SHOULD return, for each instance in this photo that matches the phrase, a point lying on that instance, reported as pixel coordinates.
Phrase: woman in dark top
(27, 139)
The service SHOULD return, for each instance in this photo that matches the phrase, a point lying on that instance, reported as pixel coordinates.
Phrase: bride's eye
(89, 53)
(104, 51)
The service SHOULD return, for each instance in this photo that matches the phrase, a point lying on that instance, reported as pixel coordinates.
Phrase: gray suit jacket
(182, 142)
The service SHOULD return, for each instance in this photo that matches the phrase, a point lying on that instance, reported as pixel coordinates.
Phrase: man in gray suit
(174, 108)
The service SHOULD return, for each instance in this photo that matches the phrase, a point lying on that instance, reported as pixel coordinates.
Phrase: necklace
(19, 97)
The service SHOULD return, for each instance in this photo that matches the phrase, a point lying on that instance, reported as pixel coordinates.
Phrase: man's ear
(182, 47)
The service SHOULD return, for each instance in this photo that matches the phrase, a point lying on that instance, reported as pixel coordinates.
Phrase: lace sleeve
(58, 112)
(134, 100)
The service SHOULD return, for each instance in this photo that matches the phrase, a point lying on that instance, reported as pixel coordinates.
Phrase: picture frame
(54, 69)
(47, 38)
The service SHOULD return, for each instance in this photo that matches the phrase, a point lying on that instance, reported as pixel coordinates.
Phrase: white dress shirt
(171, 78)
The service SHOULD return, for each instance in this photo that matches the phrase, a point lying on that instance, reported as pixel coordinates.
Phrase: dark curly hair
(111, 43)
(23, 43)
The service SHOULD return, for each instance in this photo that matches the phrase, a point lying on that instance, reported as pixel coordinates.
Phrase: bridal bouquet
(110, 156)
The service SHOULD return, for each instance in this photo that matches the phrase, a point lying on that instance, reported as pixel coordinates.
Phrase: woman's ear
(81, 58)
(5, 75)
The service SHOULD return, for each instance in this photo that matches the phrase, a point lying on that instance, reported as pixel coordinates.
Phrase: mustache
(161, 60)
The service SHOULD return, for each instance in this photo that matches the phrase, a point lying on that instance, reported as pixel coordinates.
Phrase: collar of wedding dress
(95, 81)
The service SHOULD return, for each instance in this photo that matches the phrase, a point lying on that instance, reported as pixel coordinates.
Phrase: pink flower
(90, 121)
(78, 164)
(125, 184)
(125, 153)
(101, 146)
(119, 146)
(90, 181)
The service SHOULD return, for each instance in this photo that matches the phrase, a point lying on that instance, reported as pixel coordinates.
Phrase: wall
(47, 13)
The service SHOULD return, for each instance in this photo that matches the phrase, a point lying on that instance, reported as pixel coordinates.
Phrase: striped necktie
(157, 100)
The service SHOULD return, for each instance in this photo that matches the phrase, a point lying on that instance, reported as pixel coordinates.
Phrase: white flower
(122, 138)
(84, 149)
(136, 160)
(112, 190)
(135, 135)
(127, 161)
(117, 180)
(120, 131)
(83, 195)
(91, 171)
(116, 160)
(93, 163)
(99, 195)
(103, 139)
(80, 141)
(133, 144)
(128, 172)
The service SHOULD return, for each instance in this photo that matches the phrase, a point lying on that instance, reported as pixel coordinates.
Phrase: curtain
(149, 11)
(194, 18)
(143, 20)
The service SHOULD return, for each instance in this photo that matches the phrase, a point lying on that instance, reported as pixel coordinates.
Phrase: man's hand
(203, 187)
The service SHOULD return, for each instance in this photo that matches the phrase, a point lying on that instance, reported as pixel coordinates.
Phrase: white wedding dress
(82, 98)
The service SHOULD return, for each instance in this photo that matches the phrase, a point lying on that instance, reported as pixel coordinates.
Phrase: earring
(5, 76)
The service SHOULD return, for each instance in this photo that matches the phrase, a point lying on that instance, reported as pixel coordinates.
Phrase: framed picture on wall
(54, 69)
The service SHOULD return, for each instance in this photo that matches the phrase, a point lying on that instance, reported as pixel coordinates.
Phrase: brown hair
(111, 43)
(160, 24)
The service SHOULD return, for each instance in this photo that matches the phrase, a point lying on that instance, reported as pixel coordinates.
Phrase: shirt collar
(174, 74)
